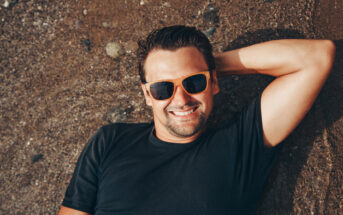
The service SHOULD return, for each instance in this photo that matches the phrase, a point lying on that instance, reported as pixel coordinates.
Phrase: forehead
(171, 64)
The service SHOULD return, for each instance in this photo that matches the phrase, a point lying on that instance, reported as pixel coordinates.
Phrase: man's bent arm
(70, 211)
(301, 68)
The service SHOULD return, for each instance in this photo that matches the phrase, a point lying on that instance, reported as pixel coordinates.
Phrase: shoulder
(109, 133)
(116, 133)
(113, 137)
(249, 115)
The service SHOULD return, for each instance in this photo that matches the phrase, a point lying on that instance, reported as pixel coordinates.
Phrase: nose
(180, 97)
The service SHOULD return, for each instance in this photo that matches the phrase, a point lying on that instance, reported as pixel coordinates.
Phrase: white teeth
(183, 113)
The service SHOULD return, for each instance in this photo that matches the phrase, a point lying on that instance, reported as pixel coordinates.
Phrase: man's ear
(214, 83)
(146, 95)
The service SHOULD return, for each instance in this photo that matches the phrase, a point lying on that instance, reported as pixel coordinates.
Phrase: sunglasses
(191, 84)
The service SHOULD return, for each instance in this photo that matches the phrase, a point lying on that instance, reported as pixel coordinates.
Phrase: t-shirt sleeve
(82, 190)
(250, 161)
(257, 160)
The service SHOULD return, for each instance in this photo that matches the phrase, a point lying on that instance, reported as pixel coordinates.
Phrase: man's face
(183, 117)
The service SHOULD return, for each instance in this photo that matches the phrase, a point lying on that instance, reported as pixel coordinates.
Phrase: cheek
(207, 102)
(159, 106)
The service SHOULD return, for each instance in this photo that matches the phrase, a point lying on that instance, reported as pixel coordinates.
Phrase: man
(176, 165)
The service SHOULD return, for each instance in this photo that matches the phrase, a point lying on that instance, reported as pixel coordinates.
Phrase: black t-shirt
(125, 170)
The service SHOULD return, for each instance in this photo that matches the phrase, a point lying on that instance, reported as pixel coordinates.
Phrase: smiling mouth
(183, 113)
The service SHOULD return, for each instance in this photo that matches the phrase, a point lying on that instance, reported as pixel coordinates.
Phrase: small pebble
(6, 3)
(141, 2)
(36, 158)
(85, 12)
(87, 43)
(105, 24)
(119, 114)
(114, 50)
(210, 15)
(12, 4)
(166, 4)
(209, 32)
(39, 7)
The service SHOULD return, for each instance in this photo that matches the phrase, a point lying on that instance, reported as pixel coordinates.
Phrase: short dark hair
(172, 38)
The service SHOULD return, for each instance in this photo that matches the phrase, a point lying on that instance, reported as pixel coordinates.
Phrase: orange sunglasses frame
(178, 82)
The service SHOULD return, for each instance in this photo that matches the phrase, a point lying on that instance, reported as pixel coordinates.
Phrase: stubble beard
(187, 130)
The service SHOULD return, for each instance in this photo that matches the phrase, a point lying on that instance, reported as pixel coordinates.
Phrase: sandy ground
(58, 86)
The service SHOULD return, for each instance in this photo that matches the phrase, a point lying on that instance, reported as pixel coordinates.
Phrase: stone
(37, 157)
(114, 50)
(209, 32)
(105, 24)
(87, 43)
(11, 4)
(166, 4)
(6, 3)
(118, 114)
(210, 15)
(55, 94)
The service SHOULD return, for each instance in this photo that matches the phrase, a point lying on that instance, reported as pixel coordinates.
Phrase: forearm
(301, 68)
(275, 58)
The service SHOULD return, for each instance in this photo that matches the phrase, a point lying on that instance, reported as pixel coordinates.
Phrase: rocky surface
(58, 86)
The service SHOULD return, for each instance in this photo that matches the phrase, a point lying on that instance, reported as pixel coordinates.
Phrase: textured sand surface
(58, 86)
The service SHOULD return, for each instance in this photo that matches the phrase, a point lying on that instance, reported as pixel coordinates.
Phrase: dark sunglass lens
(195, 83)
(162, 90)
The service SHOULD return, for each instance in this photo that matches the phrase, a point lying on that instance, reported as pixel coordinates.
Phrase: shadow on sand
(238, 91)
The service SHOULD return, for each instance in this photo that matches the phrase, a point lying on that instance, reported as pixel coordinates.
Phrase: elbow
(317, 56)
(325, 55)
(330, 51)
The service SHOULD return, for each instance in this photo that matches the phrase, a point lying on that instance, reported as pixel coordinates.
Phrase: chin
(183, 132)
(187, 129)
